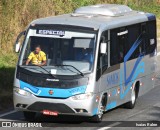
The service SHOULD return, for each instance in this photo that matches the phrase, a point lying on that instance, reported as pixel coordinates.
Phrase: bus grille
(59, 107)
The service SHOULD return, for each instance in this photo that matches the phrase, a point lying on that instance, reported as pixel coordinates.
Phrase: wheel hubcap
(101, 111)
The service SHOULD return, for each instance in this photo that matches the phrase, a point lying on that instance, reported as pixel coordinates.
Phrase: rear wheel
(131, 104)
(29, 116)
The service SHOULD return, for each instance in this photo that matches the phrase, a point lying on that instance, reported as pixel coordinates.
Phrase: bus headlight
(21, 91)
(82, 96)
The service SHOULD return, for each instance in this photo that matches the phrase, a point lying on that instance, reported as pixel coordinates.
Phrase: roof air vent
(102, 9)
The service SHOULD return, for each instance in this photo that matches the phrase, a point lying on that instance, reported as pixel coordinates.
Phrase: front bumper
(86, 107)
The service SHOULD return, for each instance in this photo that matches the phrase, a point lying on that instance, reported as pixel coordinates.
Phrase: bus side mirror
(17, 47)
(18, 42)
(103, 48)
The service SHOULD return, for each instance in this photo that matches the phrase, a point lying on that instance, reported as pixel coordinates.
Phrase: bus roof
(105, 16)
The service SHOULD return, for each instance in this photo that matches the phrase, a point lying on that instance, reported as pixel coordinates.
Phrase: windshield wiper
(72, 67)
(47, 71)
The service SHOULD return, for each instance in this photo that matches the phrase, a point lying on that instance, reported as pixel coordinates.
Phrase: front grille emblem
(50, 92)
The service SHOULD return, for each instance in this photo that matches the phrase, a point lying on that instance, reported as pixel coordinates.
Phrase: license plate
(51, 113)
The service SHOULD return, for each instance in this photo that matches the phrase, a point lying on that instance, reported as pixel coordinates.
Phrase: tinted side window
(119, 46)
(114, 51)
(123, 44)
(142, 36)
(135, 36)
(151, 35)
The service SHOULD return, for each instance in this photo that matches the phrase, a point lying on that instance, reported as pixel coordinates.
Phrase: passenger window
(136, 35)
(144, 38)
(122, 47)
(114, 51)
(123, 39)
(119, 45)
(143, 28)
(151, 37)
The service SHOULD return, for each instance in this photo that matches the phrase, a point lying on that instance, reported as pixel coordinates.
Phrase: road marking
(7, 113)
(137, 113)
(118, 123)
(157, 105)
(110, 126)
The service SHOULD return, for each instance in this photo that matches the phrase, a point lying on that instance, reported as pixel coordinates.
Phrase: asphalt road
(147, 109)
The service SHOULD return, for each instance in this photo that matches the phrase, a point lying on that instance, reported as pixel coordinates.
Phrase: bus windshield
(66, 51)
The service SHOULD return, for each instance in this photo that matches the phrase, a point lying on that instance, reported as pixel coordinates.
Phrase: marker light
(118, 90)
(97, 98)
(132, 87)
(21, 91)
(153, 78)
(82, 96)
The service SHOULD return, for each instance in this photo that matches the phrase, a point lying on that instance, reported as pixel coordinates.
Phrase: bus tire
(131, 104)
(29, 116)
(98, 118)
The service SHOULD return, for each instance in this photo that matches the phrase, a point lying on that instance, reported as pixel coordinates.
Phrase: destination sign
(51, 32)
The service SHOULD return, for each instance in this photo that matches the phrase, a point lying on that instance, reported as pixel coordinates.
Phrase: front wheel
(98, 118)
(29, 116)
(131, 104)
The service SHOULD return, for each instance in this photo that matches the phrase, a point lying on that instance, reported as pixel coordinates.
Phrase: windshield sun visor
(83, 43)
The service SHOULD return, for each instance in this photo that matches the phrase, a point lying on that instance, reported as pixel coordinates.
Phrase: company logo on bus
(50, 92)
(56, 80)
(51, 32)
(113, 79)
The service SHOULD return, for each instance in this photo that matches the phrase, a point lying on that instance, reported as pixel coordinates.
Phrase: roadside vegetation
(15, 15)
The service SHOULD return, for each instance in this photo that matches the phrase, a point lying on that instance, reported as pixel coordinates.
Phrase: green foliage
(8, 59)
(7, 66)
(80, 3)
(153, 8)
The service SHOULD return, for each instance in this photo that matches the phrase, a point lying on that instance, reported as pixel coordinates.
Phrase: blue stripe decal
(128, 55)
(133, 48)
(114, 92)
(111, 105)
(95, 111)
(60, 93)
(140, 69)
(133, 71)
(29, 88)
(137, 69)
